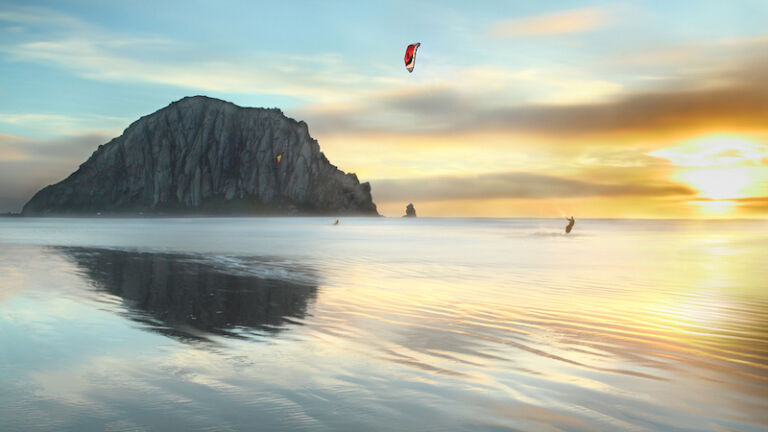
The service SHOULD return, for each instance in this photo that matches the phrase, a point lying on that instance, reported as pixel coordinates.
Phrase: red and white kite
(410, 56)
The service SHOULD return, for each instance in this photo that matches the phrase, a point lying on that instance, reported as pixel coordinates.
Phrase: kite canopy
(410, 56)
(279, 158)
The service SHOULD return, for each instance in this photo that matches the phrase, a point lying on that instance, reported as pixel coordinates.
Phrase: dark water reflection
(186, 297)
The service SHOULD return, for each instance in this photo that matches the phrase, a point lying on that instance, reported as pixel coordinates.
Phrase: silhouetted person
(569, 227)
(337, 222)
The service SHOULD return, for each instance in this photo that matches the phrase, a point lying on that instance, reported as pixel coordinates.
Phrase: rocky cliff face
(410, 211)
(204, 155)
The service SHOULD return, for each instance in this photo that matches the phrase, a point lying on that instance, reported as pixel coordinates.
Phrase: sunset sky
(515, 108)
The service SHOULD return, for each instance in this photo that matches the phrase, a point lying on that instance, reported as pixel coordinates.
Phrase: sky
(633, 109)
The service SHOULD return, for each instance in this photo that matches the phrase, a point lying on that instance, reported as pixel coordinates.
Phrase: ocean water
(383, 324)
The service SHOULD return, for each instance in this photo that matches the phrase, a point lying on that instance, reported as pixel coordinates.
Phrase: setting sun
(721, 168)
(718, 183)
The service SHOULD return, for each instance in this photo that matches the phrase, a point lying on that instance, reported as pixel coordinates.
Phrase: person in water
(569, 227)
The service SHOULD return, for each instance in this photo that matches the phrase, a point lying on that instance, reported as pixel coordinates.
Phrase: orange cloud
(756, 204)
(738, 100)
(573, 21)
(448, 112)
(515, 185)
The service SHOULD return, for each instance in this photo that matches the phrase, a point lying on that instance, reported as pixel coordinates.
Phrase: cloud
(680, 60)
(39, 16)
(26, 165)
(753, 204)
(562, 104)
(72, 148)
(715, 151)
(95, 53)
(760, 199)
(572, 21)
(513, 185)
(744, 105)
(323, 77)
(448, 111)
(59, 124)
(21, 179)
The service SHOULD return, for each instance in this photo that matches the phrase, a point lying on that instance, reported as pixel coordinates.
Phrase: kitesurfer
(569, 227)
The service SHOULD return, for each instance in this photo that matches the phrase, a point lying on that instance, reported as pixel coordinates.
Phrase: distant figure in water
(569, 227)
(337, 222)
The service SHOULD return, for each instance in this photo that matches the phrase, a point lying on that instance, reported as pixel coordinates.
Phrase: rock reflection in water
(186, 296)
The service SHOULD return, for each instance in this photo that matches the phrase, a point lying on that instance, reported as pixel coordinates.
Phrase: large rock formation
(204, 155)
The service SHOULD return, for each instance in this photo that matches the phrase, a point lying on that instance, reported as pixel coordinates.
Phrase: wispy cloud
(71, 149)
(322, 78)
(514, 185)
(754, 204)
(566, 104)
(100, 54)
(715, 151)
(448, 111)
(556, 23)
(35, 15)
(59, 124)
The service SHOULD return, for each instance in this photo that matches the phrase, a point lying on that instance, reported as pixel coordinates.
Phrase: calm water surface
(383, 324)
